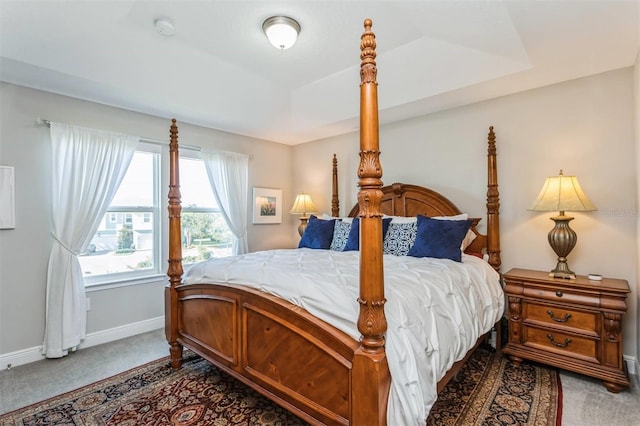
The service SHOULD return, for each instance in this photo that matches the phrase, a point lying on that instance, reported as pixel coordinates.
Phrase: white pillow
(402, 219)
(344, 219)
(411, 219)
(462, 216)
(468, 239)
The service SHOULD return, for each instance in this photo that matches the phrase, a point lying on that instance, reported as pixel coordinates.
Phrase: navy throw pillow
(318, 234)
(353, 243)
(440, 238)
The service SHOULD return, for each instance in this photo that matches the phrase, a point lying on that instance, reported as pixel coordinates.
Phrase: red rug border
(559, 401)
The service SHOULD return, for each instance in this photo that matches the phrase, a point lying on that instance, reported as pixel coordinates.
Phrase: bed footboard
(293, 358)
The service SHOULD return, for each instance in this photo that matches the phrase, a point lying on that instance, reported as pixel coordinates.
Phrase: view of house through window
(205, 233)
(127, 242)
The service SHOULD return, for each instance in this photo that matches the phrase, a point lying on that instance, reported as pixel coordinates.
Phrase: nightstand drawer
(561, 343)
(562, 317)
(563, 296)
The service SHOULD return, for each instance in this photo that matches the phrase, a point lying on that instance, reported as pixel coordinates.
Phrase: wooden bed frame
(300, 362)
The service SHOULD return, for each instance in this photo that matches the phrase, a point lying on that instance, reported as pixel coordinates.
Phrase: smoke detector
(164, 27)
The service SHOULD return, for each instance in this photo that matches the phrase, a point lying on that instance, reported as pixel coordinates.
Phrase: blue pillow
(353, 243)
(318, 234)
(440, 238)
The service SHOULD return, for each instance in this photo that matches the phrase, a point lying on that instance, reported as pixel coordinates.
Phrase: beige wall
(585, 127)
(24, 250)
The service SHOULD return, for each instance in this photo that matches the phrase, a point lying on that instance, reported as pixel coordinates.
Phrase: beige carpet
(489, 390)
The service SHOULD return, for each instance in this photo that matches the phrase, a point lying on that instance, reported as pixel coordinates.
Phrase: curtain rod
(43, 122)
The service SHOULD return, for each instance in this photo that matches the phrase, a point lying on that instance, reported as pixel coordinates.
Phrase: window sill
(149, 279)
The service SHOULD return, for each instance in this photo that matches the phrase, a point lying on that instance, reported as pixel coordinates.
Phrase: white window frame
(142, 276)
(185, 209)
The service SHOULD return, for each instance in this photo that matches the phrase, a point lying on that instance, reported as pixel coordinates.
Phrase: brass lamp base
(562, 271)
(303, 225)
(562, 240)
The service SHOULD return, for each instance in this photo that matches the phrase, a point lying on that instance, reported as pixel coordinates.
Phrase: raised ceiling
(219, 71)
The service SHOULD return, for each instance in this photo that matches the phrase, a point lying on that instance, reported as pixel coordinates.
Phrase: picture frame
(267, 206)
(7, 198)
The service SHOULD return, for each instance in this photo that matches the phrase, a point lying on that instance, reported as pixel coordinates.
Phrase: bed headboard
(400, 199)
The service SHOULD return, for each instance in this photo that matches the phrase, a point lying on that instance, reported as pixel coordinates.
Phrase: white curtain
(88, 166)
(228, 175)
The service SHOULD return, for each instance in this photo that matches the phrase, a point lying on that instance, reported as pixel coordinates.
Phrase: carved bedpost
(371, 322)
(493, 204)
(175, 251)
(335, 202)
(370, 364)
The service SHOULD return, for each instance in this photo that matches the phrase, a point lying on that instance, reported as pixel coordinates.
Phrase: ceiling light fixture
(281, 31)
(164, 27)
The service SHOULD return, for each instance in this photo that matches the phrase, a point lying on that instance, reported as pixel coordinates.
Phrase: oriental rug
(489, 390)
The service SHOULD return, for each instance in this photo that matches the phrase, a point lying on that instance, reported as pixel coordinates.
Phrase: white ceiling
(219, 71)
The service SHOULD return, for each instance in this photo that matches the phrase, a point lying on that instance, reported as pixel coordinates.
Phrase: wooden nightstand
(570, 324)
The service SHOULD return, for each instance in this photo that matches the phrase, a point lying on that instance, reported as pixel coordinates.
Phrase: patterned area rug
(488, 391)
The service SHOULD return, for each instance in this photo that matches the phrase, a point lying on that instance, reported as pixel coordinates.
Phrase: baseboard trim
(26, 356)
(632, 365)
(117, 333)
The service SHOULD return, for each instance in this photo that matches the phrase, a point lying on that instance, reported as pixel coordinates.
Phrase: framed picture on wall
(267, 205)
(7, 198)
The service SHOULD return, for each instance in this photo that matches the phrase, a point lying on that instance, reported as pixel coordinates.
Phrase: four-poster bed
(321, 372)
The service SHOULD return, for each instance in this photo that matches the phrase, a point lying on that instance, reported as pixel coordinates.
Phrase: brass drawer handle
(560, 345)
(565, 319)
(559, 293)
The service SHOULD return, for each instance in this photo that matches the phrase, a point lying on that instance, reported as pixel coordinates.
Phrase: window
(127, 242)
(205, 233)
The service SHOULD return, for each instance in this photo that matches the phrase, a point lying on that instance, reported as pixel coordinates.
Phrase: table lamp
(302, 206)
(562, 193)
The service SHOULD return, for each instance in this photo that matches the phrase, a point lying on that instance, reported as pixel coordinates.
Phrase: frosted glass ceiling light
(164, 26)
(281, 31)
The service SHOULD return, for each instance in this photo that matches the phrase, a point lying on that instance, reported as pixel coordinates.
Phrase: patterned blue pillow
(439, 238)
(400, 238)
(353, 243)
(340, 235)
(318, 234)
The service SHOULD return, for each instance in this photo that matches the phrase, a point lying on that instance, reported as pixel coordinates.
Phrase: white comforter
(436, 309)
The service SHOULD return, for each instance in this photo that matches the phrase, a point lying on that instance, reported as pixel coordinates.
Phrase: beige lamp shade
(303, 205)
(562, 193)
